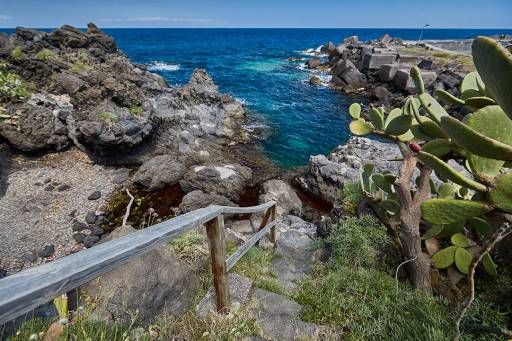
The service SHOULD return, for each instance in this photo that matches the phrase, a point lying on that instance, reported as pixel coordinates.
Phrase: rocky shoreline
(379, 69)
(94, 124)
(83, 123)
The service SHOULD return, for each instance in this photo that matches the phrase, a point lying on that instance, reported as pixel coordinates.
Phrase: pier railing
(27, 290)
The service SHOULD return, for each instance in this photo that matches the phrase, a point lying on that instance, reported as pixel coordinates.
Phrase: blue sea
(251, 65)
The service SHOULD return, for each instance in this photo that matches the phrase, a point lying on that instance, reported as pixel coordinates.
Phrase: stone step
(277, 316)
(239, 289)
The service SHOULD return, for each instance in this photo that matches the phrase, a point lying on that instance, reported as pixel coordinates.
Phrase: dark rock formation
(327, 174)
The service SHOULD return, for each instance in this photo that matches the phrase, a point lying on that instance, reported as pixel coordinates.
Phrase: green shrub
(367, 305)
(351, 196)
(17, 53)
(136, 109)
(108, 116)
(358, 242)
(46, 54)
(12, 86)
(485, 314)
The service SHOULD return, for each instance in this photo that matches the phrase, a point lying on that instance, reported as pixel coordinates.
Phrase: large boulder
(288, 201)
(374, 61)
(387, 72)
(158, 172)
(313, 63)
(326, 175)
(351, 40)
(38, 124)
(156, 283)
(198, 199)
(228, 180)
(347, 76)
(201, 81)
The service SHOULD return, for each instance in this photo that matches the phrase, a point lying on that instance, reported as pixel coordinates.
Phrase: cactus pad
(446, 190)
(448, 98)
(432, 232)
(377, 118)
(469, 87)
(418, 80)
(360, 127)
(501, 194)
(489, 265)
(493, 123)
(439, 147)
(481, 226)
(474, 141)
(463, 259)
(444, 258)
(432, 107)
(355, 110)
(398, 125)
(450, 229)
(479, 102)
(431, 128)
(494, 64)
(446, 211)
(460, 240)
(445, 171)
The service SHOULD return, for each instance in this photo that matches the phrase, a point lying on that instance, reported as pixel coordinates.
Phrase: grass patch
(108, 117)
(239, 323)
(136, 109)
(12, 86)
(366, 305)
(46, 54)
(190, 246)
(78, 67)
(256, 265)
(17, 53)
(442, 58)
(358, 242)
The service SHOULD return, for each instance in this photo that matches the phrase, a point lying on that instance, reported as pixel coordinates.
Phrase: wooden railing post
(215, 232)
(273, 215)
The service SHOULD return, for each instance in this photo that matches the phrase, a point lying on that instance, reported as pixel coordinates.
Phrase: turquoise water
(251, 65)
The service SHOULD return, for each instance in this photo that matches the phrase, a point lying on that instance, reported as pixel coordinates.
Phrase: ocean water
(251, 65)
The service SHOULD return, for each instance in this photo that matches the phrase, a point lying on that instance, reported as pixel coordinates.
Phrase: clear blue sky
(258, 13)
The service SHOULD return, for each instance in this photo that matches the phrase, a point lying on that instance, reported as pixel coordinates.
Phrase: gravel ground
(43, 196)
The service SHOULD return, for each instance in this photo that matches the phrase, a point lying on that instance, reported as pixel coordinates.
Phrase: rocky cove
(84, 128)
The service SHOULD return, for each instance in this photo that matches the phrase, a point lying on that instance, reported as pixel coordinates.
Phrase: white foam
(162, 66)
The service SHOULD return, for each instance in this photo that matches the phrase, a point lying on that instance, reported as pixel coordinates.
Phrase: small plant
(190, 246)
(17, 53)
(12, 86)
(351, 197)
(46, 54)
(78, 67)
(108, 117)
(358, 242)
(136, 109)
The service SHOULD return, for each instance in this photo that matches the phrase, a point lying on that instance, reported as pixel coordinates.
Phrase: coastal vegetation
(471, 209)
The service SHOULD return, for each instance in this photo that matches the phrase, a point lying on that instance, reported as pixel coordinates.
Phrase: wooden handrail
(26, 290)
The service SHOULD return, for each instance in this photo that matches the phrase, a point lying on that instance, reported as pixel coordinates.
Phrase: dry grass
(442, 58)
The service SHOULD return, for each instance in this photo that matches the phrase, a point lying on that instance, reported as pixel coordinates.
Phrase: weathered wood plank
(215, 232)
(22, 292)
(273, 232)
(252, 209)
(235, 257)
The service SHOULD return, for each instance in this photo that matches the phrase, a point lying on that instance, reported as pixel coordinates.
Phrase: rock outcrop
(225, 180)
(160, 171)
(155, 283)
(288, 201)
(86, 92)
(327, 174)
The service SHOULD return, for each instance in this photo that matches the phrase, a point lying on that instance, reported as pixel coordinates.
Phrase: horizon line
(281, 28)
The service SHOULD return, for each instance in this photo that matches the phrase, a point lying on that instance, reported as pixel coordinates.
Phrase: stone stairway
(277, 315)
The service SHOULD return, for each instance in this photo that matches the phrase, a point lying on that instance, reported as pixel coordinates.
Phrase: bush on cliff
(358, 242)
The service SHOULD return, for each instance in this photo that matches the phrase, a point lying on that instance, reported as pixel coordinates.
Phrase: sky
(258, 13)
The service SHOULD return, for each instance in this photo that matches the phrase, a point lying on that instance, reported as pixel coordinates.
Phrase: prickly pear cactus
(481, 142)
